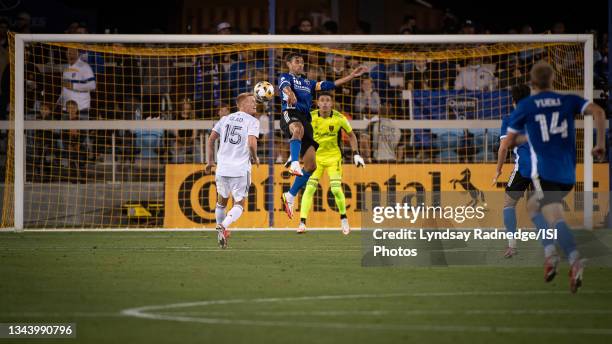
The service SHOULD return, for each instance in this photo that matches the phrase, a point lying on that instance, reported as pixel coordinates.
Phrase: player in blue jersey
(297, 92)
(547, 117)
(520, 179)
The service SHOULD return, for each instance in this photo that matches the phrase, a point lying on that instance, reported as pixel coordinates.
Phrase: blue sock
(540, 222)
(299, 183)
(295, 146)
(565, 238)
(510, 219)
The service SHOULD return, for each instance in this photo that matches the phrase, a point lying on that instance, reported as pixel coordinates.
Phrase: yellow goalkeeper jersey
(327, 133)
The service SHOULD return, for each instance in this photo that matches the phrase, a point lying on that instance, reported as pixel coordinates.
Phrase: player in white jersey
(238, 133)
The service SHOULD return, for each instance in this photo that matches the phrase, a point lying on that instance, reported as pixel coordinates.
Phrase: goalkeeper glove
(358, 160)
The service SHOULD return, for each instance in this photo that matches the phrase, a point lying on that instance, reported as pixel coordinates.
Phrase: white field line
(412, 312)
(152, 312)
(170, 230)
(178, 249)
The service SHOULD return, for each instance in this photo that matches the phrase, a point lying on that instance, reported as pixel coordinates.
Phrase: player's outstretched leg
(553, 213)
(295, 147)
(220, 217)
(336, 189)
(568, 245)
(221, 238)
(310, 165)
(307, 198)
(510, 223)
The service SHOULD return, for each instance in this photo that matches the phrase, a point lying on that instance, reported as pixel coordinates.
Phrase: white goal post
(20, 123)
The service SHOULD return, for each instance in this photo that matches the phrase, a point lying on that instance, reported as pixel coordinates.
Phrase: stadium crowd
(127, 87)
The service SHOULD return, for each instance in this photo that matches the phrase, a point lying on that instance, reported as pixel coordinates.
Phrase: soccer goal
(122, 144)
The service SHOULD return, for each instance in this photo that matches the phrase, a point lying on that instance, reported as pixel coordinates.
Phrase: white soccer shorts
(237, 187)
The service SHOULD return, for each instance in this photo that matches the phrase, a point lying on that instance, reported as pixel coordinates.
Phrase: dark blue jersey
(303, 89)
(522, 153)
(548, 119)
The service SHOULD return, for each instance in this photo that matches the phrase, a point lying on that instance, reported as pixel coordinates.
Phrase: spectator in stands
(601, 77)
(509, 72)
(526, 29)
(156, 85)
(304, 27)
(335, 70)
(73, 143)
(72, 28)
(558, 28)
(468, 28)
(256, 31)
(245, 71)
(81, 29)
(423, 144)
(476, 77)
(224, 28)
(363, 28)
(77, 83)
(409, 26)
(149, 141)
(367, 102)
(449, 22)
(208, 92)
(23, 23)
(315, 72)
(183, 144)
(44, 146)
(223, 110)
(330, 27)
(466, 148)
(418, 77)
(384, 137)
(122, 80)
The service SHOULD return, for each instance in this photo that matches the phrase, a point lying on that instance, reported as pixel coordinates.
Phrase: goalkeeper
(326, 125)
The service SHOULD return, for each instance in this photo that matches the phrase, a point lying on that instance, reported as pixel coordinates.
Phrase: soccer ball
(263, 91)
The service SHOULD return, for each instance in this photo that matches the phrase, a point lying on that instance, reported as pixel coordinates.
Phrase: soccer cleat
(295, 168)
(346, 229)
(222, 236)
(575, 275)
(288, 206)
(550, 267)
(301, 228)
(510, 252)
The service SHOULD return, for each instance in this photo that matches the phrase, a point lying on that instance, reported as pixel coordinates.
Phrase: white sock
(512, 243)
(549, 250)
(219, 213)
(232, 215)
(289, 197)
(573, 256)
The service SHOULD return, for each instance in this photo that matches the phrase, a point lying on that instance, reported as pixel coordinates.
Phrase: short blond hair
(542, 74)
(243, 96)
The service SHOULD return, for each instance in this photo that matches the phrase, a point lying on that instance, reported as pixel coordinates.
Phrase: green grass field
(278, 287)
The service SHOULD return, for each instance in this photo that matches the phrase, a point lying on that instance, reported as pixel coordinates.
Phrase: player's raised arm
(599, 119)
(502, 153)
(328, 85)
